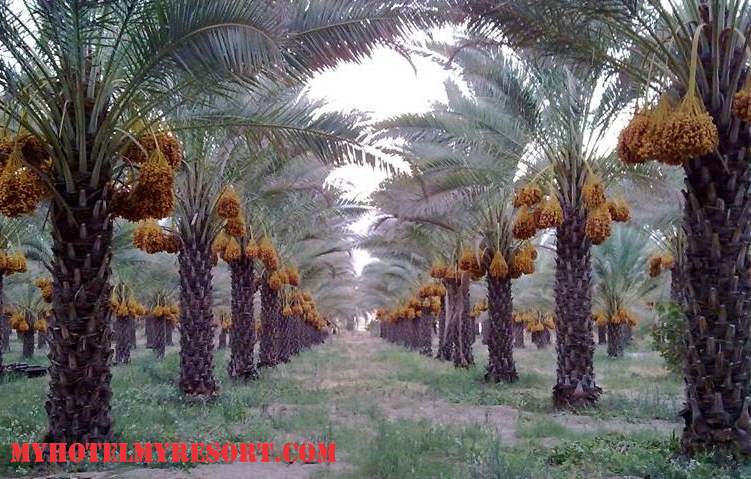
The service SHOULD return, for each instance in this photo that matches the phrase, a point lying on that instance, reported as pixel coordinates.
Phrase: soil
(355, 372)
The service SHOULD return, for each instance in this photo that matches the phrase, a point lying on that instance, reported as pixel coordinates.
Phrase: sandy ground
(355, 372)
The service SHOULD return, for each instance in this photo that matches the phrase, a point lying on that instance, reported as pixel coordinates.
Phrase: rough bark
(285, 332)
(80, 354)
(169, 333)
(602, 335)
(270, 312)
(575, 379)
(468, 325)
(132, 331)
(445, 341)
(518, 329)
(123, 325)
(160, 336)
(426, 333)
(41, 339)
(616, 340)
(4, 327)
(149, 321)
(196, 317)
(541, 338)
(458, 321)
(27, 340)
(242, 342)
(717, 296)
(501, 366)
(222, 338)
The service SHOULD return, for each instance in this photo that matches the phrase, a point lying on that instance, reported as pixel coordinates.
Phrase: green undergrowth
(636, 387)
(422, 450)
(329, 395)
(147, 406)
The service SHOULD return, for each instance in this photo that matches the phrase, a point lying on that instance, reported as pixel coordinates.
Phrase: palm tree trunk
(242, 342)
(150, 343)
(4, 328)
(449, 332)
(160, 336)
(168, 333)
(467, 325)
(541, 338)
(132, 332)
(27, 339)
(457, 320)
(426, 333)
(285, 331)
(122, 339)
(616, 340)
(80, 350)
(501, 366)
(575, 383)
(41, 339)
(270, 309)
(602, 334)
(196, 317)
(717, 289)
(443, 350)
(299, 334)
(518, 335)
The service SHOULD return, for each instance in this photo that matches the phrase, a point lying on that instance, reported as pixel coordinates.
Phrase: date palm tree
(693, 51)
(465, 151)
(9, 235)
(622, 283)
(85, 78)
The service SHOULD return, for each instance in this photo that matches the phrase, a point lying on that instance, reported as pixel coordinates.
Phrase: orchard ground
(392, 413)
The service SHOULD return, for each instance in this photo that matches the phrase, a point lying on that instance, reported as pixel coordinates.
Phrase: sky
(383, 86)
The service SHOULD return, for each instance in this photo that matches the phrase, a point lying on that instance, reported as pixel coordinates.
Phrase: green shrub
(668, 336)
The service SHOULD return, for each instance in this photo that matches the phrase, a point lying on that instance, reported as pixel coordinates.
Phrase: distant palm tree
(10, 235)
(622, 283)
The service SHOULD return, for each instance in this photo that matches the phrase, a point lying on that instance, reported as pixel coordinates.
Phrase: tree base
(724, 445)
(498, 375)
(572, 398)
(249, 374)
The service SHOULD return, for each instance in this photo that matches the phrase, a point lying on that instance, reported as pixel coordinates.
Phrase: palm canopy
(620, 273)
(96, 73)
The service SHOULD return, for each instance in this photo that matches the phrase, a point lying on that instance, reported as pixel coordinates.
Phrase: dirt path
(364, 387)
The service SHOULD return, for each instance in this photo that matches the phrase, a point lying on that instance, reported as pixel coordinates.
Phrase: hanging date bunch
(18, 321)
(658, 262)
(533, 213)
(431, 294)
(156, 157)
(600, 319)
(150, 237)
(623, 316)
(229, 208)
(45, 287)
(471, 261)
(125, 304)
(523, 260)
(12, 263)
(675, 132)
(478, 308)
(601, 212)
(22, 159)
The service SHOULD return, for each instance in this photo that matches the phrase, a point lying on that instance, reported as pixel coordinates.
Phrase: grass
(348, 393)
(637, 387)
